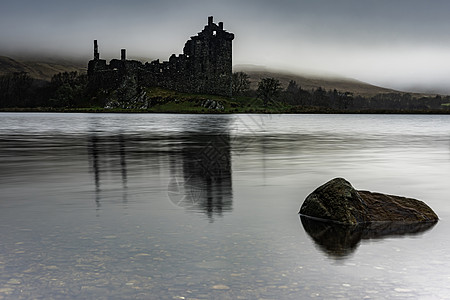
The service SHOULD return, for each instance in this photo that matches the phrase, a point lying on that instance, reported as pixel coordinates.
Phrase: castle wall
(204, 67)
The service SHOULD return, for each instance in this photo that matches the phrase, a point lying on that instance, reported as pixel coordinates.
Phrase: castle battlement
(205, 66)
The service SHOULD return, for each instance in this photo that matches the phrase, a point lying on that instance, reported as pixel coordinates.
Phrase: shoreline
(210, 111)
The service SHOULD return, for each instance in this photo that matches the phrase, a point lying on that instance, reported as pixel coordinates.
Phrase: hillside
(308, 82)
(71, 93)
(40, 70)
(44, 69)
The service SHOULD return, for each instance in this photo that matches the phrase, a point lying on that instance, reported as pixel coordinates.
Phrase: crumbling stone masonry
(204, 67)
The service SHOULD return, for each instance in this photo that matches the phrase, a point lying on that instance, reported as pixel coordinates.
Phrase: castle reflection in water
(198, 165)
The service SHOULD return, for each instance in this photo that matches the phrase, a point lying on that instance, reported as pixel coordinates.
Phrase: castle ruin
(204, 67)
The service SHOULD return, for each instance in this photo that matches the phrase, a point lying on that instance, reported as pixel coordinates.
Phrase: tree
(292, 87)
(344, 100)
(320, 98)
(268, 89)
(68, 89)
(240, 82)
(16, 90)
(292, 93)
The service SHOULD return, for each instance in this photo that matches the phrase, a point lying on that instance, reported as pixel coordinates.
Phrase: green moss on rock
(338, 201)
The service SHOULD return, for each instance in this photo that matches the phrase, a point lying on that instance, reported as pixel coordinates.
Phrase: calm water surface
(144, 206)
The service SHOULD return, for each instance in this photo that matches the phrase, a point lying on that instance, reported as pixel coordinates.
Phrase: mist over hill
(43, 68)
(312, 81)
(40, 69)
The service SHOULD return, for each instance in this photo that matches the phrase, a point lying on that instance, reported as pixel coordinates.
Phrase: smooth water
(163, 206)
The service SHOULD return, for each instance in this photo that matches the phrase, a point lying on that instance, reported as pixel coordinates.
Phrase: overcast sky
(393, 43)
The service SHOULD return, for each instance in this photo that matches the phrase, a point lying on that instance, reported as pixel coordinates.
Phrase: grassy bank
(158, 100)
(184, 110)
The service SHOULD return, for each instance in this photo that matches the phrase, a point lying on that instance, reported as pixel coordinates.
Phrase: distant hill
(308, 82)
(40, 70)
(45, 68)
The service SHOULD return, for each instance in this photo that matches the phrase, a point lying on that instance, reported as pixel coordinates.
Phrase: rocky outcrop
(338, 201)
(212, 104)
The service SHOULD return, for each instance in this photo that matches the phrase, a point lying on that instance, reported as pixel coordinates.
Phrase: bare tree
(241, 82)
(268, 89)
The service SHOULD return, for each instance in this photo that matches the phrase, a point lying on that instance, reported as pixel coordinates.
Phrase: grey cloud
(349, 37)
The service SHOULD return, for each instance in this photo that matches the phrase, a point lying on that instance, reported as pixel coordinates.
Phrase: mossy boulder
(338, 201)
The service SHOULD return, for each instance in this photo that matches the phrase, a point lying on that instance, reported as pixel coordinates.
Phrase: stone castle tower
(204, 67)
(210, 53)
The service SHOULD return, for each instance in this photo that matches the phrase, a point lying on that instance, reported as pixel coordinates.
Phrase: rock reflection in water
(339, 241)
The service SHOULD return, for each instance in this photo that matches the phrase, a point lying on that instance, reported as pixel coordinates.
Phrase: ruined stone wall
(204, 67)
(210, 53)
